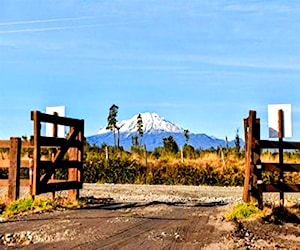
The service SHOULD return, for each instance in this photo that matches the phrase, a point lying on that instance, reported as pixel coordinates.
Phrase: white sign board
(273, 120)
(60, 110)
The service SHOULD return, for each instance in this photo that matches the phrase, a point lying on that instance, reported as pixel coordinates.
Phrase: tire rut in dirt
(124, 237)
(193, 234)
(134, 235)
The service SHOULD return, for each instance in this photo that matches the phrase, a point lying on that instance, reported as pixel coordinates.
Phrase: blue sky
(200, 64)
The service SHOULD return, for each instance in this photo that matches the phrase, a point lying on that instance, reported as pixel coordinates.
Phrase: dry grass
(206, 160)
(289, 157)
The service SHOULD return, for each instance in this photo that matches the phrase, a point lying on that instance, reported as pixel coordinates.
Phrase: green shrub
(243, 211)
(28, 205)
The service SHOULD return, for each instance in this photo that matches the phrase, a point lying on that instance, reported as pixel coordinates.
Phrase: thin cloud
(49, 28)
(262, 7)
(231, 62)
(46, 20)
(242, 8)
(259, 65)
(150, 68)
(60, 27)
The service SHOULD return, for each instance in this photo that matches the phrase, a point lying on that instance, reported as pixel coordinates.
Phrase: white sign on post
(60, 110)
(273, 120)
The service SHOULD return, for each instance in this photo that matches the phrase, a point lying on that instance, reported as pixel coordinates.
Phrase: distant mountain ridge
(155, 129)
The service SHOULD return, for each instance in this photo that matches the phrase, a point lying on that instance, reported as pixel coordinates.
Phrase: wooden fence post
(53, 153)
(256, 163)
(76, 154)
(248, 124)
(253, 179)
(14, 169)
(35, 116)
(73, 172)
(280, 138)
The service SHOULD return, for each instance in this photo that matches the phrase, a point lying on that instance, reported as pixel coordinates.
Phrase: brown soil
(259, 234)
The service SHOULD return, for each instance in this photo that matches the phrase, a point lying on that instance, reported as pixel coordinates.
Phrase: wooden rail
(23, 163)
(7, 143)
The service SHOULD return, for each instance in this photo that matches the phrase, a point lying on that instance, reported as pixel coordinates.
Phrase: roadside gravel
(176, 193)
(164, 193)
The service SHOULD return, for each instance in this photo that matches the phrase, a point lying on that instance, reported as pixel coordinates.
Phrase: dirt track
(125, 226)
(145, 217)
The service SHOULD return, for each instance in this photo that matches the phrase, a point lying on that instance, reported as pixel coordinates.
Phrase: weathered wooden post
(248, 126)
(256, 165)
(252, 184)
(72, 172)
(280, 138)
(53, 153)
(76, 155)
(14, 169)
(35, 116)
(31, 176)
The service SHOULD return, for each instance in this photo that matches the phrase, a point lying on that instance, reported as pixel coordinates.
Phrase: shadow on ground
(110, 204)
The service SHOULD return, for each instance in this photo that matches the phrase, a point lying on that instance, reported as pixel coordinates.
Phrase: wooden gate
(67, 153)
(253, 185)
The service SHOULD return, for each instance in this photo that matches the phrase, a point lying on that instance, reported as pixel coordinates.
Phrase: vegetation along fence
(255, 168)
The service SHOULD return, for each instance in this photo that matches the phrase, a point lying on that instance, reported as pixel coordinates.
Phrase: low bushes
(28, 205)
(271, 214)
(207, 168)
(124, 169)
(25, 206)
(243, 211)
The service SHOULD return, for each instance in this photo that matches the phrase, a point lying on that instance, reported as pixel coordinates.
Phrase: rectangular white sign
(60, 110)
(273, 120)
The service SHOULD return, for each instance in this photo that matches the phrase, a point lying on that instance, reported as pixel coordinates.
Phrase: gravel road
(165, 193)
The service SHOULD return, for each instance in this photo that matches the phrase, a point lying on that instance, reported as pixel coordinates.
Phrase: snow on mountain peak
(152, 122)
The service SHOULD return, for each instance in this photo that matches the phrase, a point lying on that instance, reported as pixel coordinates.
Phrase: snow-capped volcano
(152, 123)
(156, 128)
